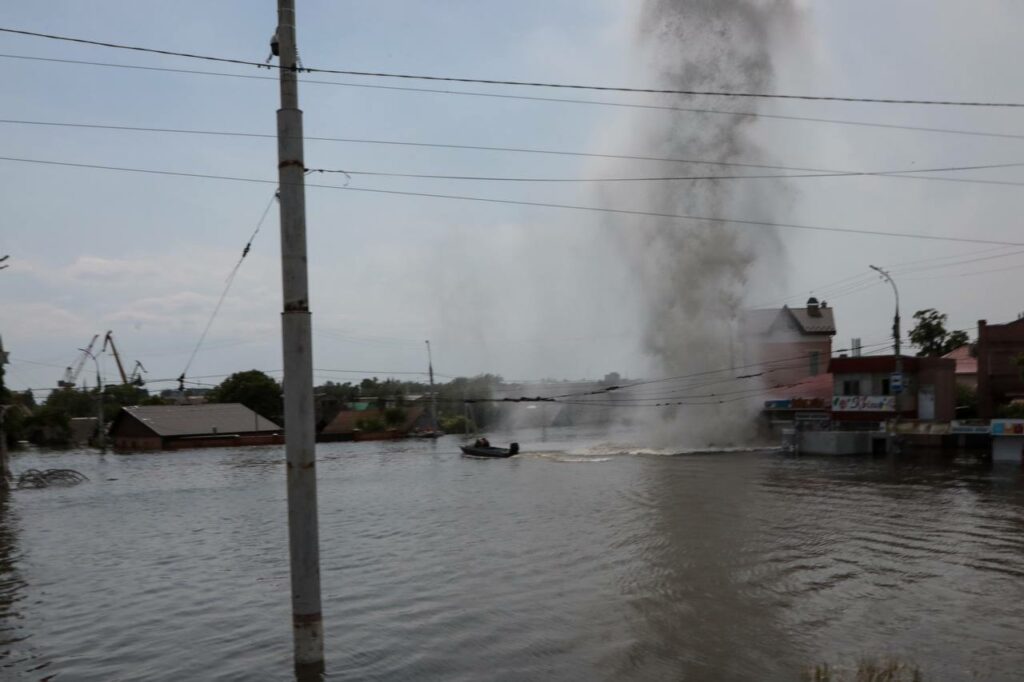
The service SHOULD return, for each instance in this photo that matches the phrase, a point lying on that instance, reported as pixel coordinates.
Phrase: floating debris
(34, 478)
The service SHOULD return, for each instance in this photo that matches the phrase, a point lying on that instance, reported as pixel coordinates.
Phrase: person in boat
(486, 443)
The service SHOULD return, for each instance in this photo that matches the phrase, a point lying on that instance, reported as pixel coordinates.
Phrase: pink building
(792, 344)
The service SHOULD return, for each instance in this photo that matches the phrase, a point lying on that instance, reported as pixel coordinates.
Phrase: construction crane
(71, 373)
(136, 379)
(108, 340)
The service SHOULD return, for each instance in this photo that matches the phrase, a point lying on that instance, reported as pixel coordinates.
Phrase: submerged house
(176, 427)
(373, 424)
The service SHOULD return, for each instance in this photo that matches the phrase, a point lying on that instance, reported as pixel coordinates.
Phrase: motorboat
(490, 451)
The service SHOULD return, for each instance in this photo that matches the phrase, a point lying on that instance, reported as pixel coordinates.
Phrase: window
(885, 387)
(851, 387)
(815, 362)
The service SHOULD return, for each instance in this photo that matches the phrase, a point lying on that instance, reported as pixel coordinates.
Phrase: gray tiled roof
(823, 324)
(762, 320)
(194, 420)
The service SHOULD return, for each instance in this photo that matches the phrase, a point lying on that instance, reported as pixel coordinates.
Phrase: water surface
(580, 559)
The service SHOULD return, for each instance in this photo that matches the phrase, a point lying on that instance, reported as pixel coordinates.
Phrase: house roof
(763, 320)
(965, 362)
(822, 323)
(878, 364)
(819, 386)
(346, 420)
(194, 420)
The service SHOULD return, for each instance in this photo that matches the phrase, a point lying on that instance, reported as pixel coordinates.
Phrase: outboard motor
(513, 449)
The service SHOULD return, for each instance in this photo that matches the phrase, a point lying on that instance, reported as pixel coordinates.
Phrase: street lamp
(898, 365)
(101, 435)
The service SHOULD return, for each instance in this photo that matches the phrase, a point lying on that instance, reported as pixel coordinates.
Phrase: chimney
(812, 307)
(855, 347)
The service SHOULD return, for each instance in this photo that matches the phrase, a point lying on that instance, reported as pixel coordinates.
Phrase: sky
(525, 292)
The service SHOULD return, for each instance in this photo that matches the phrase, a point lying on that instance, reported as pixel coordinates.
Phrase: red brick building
(1000, 350)
(793, 343)
(862, 389)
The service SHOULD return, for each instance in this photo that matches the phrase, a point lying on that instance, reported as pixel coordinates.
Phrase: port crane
(135, 379)
(71, 372)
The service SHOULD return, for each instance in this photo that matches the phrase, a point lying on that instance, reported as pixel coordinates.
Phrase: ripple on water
(726, 565)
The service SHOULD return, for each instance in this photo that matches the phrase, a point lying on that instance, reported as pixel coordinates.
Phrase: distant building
(807, 401)
(371, 424)
(789, 344)
(175, 427)
(966, 365)
(83, 430)
(1000, 365)
(862, 389)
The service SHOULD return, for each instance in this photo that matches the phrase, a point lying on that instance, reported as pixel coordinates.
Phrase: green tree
(254, 389)
(72, 403)
(929, 335)
(450, 398)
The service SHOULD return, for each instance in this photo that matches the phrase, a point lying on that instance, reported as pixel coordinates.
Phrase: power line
(520, 83)
(227, 287)
(433, 176)
(540, 204)
(842, 287)
(804, 171)
(528, 98)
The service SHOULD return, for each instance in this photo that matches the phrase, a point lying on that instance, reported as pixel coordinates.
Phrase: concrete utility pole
(297, 344)
(433, 393)
(898, 358)
(5, 473)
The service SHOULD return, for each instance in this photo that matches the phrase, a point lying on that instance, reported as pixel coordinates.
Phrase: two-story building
(790, 344)
(1000, 356)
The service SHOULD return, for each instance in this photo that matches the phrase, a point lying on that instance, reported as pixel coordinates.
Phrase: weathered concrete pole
(897, 356)
(5, 474)
(297, 346)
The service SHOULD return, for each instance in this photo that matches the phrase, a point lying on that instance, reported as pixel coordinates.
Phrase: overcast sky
(520, 291)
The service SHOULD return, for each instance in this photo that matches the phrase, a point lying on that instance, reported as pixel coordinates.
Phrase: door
(926, 402)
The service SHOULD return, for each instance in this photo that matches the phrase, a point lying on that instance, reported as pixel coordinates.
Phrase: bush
(456, 424)
(371, 424)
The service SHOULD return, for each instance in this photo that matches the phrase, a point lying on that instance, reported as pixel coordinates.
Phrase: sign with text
(863, 403)
(1008, 427)
(896, 383)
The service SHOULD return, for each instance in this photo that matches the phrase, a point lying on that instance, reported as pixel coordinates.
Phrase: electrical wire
(804, 171)
(227, 287)
(521, 83)
(433, 176)
(540, 204)
(555, 100)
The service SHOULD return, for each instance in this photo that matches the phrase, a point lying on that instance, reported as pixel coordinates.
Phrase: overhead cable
(799, 171)
(540, 204)
(528, 98)
(227, 287)
(434, 176)
(518, 83)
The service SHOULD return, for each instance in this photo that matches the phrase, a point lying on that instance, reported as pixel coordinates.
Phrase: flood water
(582, 559)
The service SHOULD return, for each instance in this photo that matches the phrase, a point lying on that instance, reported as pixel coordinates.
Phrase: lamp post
(898, 359)
(101, 435)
